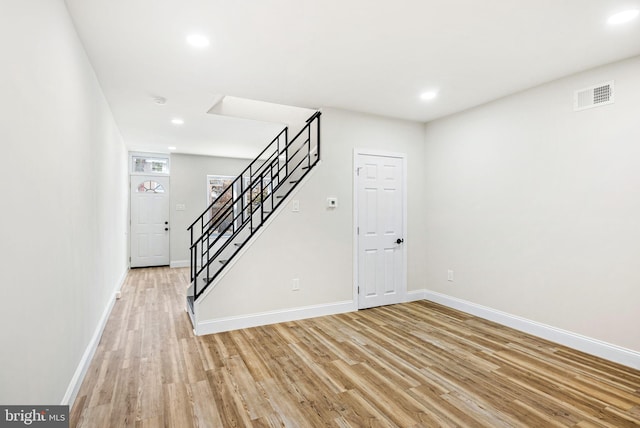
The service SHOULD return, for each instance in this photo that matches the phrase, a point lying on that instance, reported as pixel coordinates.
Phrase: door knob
(166, 222)
(399, 241)
(166, 228)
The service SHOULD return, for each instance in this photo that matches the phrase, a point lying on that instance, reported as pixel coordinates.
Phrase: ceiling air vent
(593, 96)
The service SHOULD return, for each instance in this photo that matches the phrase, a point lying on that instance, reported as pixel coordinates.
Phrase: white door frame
(373, 152)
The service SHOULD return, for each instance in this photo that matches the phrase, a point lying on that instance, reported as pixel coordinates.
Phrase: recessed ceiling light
(177, 121)
(171, 147)
(198, 40)
(429, 95)
(622, 17)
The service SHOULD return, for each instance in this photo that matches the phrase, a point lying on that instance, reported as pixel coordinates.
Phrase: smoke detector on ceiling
(593, 96)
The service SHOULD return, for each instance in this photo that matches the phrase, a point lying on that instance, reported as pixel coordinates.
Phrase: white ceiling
(362, 55)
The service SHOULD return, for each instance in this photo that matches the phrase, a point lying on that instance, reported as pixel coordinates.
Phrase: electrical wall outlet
(450, 275)
(295, 284)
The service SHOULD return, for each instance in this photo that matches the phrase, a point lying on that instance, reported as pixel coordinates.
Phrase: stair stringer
(206, 322)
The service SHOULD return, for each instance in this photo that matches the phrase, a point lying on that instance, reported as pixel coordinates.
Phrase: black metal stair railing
(242, 208)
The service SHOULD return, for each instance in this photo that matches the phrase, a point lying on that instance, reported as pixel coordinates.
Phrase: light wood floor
(411, 365)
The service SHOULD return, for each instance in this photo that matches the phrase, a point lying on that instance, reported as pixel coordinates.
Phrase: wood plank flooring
(411, 365)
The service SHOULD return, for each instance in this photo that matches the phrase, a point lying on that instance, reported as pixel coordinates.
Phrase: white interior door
(380, 205)
(149, 221)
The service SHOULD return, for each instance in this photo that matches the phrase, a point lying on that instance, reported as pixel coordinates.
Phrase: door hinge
(358, 289)
(358, 230)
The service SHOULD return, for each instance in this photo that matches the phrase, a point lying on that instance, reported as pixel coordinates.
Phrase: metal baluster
(194, 265)
(208, 264)
(318, 137)
(286, 153)
(262, 199)
(309, 146)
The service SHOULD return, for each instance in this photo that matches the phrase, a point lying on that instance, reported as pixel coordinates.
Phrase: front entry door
(380, 217)
(149, 221)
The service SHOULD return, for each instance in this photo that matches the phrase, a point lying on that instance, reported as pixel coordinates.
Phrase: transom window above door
(149, 164)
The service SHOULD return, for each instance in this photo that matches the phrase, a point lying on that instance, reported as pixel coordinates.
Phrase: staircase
(234, 217)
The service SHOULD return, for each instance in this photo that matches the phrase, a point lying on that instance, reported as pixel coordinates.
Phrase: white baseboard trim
(582, 343)
(179, 263)
(414, 295)
(264, 318)
(76, 381)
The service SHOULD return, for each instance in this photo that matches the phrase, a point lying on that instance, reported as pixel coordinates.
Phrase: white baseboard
(414, 295)
(179, 263)
(582, 343)
(254, 320)
(76, 381)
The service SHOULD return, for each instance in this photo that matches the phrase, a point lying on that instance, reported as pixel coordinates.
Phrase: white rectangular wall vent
(593, 96)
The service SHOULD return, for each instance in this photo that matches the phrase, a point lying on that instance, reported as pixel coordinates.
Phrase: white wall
(63, 219)
(189, 188)
(536, 207)
(316, 244)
